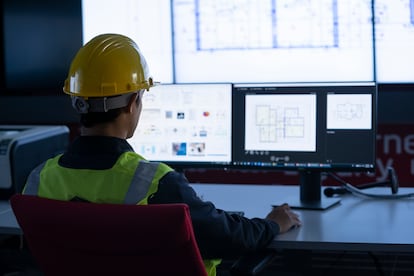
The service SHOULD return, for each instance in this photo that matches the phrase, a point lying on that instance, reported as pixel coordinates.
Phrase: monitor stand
(310, 193)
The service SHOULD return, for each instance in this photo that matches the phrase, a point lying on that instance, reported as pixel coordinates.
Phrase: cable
(348, 188)
(355, 191)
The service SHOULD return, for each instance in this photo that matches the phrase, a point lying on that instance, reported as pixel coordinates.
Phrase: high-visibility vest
(131, 180)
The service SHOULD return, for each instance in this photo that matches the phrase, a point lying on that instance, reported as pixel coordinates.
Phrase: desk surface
(355, 224)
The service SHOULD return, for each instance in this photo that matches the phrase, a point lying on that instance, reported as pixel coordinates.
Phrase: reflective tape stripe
(141, 182)
(33, 181)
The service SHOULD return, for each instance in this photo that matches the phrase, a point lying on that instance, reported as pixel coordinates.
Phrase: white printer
(22, 148)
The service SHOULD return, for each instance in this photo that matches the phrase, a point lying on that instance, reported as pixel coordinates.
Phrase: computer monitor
(186, 125)
(310, 128)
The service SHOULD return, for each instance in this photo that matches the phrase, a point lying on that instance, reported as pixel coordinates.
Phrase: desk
(356, 224)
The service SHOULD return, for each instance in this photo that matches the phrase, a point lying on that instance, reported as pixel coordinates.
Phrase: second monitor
(186, 125)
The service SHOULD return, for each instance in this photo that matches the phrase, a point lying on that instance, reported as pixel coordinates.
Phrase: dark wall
(39, 40)
(395, 104)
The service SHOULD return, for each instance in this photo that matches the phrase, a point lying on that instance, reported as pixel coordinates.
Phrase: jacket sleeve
(218, 233)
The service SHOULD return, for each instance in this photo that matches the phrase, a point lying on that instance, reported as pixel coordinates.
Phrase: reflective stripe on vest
(141, 182)
(137, 190)
(33, 181)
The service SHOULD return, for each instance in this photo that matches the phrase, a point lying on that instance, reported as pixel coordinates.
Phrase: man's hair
(94, 118)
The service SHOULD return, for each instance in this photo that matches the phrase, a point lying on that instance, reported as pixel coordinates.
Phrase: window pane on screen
(146, 22)
(394, 35)
(273, 40)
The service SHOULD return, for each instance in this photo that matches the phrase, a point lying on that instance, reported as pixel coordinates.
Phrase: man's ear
(132, 102)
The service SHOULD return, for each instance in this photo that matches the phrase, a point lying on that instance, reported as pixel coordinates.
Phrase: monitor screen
(310, 128)
(394, 41)
(186, 125)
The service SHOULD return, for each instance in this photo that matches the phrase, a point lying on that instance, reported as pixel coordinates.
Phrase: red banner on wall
(395, 147)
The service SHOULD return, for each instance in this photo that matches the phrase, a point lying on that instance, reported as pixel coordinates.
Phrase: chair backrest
(76, 238)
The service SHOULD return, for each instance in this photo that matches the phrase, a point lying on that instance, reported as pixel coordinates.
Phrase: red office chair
(75, 238)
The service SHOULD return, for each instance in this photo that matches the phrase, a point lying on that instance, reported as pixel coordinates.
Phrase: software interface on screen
(186, 123)
(315, 126)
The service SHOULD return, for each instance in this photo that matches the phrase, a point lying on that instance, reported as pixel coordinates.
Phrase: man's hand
(285, 217)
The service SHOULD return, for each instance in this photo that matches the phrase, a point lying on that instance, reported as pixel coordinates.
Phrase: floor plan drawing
(275, 124)
(280, 122)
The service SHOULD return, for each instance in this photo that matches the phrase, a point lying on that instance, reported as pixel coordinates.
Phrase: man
(106, 82)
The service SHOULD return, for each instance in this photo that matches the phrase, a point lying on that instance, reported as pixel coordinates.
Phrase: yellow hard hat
(108, 65)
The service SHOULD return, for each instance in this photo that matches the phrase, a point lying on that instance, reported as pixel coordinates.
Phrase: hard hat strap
(101, 104)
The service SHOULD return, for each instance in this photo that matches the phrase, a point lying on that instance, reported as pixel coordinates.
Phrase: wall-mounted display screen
(244, 41)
